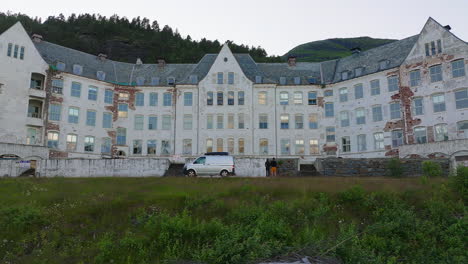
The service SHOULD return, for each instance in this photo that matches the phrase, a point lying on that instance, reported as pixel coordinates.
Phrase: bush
(431, 169)
(394, 167)
(459, 182)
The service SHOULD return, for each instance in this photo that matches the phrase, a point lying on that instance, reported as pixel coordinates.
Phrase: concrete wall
(25, 152)
(9, 168)
(103, 168)
(250, 167)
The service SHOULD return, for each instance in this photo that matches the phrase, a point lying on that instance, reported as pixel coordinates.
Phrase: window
(123, 96)
(397, 138)
(343, 94)
(241, 122)
(109, 97)
(312, 98)
(107, 120)
(433, 48)
(313, 121)
(209, 122)
(151, 147)
(439, 46)
(344, 75)
(240, 146)
(358, 91)
(285, 146)
(155, 81)
(361, 142)
(428, 53)
(188, 99)
(71, 142)
(262, 98)
(60, 66)
(436, 73)
(299, 147)
(219, 145)
(209, 98)
(15, 53)
(395, 110)
(57, 86)
(22, 53)
(187, 147)
(462, 128)
(52, 139)
(418, 107)
(55, 111)
(263, 121)
(220, 78)
(165, 147)
(438, 102)
(170, 81)
(299, 121)
(209, 145)
(106, 145)
(284, 121)
(313, 147)
(297, 98)
(240, 98)
(219, 121)
(139, 99)
(230, 78)
(360, 116)
(375, 87)
(231, 98)
(138, 122)
(282, 80)
(379, 141)
(461, 98)
(193, 79)
(36, 82)
(383, 64)
(358, 71)
(92, 93)
(166, 122)
(327, 93)
(263, 146)
(90, 118)
(297, 80)
(153, 99)
(10, 47)
(329, 110)
(415, 78)
(344, 118)
(219, 98)
(167, 99)
(377, 113)
(258, 79)
(152, 122)
(89, 144)
(140, 80)
(230, 145)
(441, 132)
(330, 134)
(137, 147)
(101, 75)
(77, 69)
(76, 89)
(284, 98)
(230, 124)
(123, 110)
(420, 135)
(458, 68)
(121, 136)
(187, 122)
(392, 83)
(73, 114)
(345, 144)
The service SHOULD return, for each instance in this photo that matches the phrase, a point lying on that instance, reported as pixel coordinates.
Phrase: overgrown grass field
(238, 220)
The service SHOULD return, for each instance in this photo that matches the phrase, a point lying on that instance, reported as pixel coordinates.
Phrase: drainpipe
(252, 123)
(198, 119)
(276, 126)
(175, 119)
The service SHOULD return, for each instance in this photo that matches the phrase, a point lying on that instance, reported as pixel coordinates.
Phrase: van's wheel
(191, 173)
(224, 173)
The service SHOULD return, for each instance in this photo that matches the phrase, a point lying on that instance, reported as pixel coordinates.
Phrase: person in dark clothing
(273, 166)
(267, 167)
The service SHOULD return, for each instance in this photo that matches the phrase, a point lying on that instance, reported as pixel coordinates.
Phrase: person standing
(273, 166)
(267, 167)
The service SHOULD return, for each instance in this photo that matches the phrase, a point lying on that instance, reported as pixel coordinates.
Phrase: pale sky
(275, 25)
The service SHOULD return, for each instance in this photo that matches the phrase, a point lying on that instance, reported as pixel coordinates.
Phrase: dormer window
(297, 80)
(170, 81)
(140, 80)
(358, 71)
(344, 75)
(258, 79)
(383, 64)
(60, 66)
(312, 80)
(193, 79)
(283, 80)
(155, 81)
(77, 69)
(101, 75)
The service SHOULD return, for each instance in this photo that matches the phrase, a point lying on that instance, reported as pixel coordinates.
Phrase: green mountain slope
(335, 48)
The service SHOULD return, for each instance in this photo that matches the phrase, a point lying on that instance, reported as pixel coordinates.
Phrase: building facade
(411, 94)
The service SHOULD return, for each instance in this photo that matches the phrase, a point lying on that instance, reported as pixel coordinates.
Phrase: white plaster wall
(250, 167)
(25, 152)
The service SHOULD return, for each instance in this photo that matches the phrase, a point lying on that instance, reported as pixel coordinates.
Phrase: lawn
(234, 220)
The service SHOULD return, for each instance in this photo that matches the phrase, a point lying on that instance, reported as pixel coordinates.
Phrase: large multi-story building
(409, 97)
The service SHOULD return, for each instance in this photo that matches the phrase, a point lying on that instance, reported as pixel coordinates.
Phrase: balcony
(37, 93)
(34, 121)
(36, 86)
(34, 117)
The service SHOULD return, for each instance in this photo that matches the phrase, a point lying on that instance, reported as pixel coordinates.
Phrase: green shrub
(431, 169)
(395, 168)
(459, 182)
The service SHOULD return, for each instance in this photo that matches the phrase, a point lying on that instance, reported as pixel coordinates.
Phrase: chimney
(139, 61)
(36, 38)
(355, 50)
(102, 56)
(161, 63)
(448, 27)
(292, 60)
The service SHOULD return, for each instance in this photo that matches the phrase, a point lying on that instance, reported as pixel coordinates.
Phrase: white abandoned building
(406, 98)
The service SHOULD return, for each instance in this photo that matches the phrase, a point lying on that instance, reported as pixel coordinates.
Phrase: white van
(210, 165)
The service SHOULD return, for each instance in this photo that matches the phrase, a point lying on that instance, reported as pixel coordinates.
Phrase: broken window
(313, 121)
(299, 121)
(377, 113)
(52, 139)
(458, 68)
(89, 144)
(299, 147)
(285, 146)
(71, 142)
(139, 122)
(397, 138)
(165, 147)
(330, 134)
(187, 147)
(436, 73)
(297, 98)
(73, 114)
(123, 110)
(461, 98)
(358, 91)
(57, 86)
(346, 144)
(418, 106)
(462, 128)
(284, 98)
(151, 147)
(263, 146)
(441, 132)
(344, 118)
(313, 147)
(137, 147)
(375, 87)
(312, 98)
(420, 135)
(360, 116)
(219, 145)
(392, 83)
(438, 102)
(361, 142)
(91, 118)
(343, 94)
(209, 145)
(415, 78)
(262, 98)
(395, 110)
(379, 141)
(32, 136)
(284, 118)
(170, 80)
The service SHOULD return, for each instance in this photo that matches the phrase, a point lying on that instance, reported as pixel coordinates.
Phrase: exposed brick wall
(320, 101)
(55, 154)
